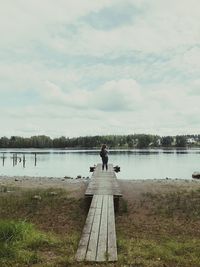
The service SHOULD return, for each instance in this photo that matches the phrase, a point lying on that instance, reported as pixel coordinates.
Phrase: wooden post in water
(13, 160)
(3, 159)
(16, 159)
(35, 159)
(24, 161)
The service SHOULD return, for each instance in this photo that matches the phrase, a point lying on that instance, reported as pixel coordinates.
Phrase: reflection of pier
(19, 158)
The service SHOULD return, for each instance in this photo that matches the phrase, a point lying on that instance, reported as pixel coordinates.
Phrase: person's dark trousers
(104, 163)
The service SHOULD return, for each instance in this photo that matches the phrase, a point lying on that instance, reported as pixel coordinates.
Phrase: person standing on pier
(104, 156)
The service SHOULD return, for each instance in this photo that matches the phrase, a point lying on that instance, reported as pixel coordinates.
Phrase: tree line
(113, 141)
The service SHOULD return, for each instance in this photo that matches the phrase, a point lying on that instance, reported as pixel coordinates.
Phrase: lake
(135, 164)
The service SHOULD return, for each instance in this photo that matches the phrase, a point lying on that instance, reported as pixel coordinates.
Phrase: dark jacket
(104, 153)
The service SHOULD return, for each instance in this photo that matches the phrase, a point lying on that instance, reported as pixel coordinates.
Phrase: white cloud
(112, 96)
(117, 96)
(168, 25)
(33, 19)
(161, 25)
(141, 76)
(55, 95)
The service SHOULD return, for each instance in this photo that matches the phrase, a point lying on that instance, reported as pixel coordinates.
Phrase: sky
(90, 67)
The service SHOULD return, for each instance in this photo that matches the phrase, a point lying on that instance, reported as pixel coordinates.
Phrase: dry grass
(161, 230)
(154, 230)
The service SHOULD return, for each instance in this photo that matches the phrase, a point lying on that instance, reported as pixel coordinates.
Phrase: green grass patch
(156, 253)
(20, 242)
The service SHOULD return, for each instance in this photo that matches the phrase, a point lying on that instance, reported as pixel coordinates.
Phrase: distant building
(191, 140)
(159, 141)
(173, 141)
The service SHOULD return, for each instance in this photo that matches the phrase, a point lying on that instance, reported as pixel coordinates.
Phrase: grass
(43, 225)
(47, 208)
(167, 252)
(185, 204)
(159, 230)
(19, 242)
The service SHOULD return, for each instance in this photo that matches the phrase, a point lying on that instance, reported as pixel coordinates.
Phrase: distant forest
(113, 141)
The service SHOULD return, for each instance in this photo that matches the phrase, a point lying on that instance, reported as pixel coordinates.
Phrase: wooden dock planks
(103, 232)
(83, 244)
(112, 244)
(94, 235)
(98, 241)
(103, 182)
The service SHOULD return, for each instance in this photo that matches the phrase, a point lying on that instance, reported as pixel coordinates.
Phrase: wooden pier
(98, 241)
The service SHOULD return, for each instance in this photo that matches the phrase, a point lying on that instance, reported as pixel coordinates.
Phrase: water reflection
(17, 159)
(134, 163)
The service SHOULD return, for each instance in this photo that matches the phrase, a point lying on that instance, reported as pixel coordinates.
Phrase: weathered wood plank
(92, 246)
(103, 232)
(103, 182)
(89, 221)
(112, 244)
(83, 244)
(82, 248)
(98, 242)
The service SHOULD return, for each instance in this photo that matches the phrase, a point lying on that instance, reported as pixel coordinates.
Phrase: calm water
(135, 164)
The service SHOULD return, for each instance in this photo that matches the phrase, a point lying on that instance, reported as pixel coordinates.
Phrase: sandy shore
(131, 189)
(76, 187)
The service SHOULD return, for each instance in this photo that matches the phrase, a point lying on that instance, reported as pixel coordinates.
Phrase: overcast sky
(88, 67)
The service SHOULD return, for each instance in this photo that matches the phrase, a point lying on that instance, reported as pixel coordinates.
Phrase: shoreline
(130, 188)
(83, 178)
